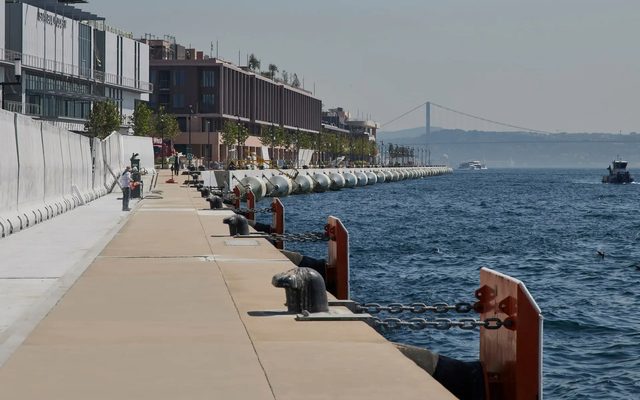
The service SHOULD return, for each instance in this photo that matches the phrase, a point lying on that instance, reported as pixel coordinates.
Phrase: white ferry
(472, 165)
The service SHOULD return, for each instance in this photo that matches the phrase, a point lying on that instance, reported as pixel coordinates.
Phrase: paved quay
(167, 309)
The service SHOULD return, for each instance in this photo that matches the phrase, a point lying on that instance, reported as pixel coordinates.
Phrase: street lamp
(17, 72)
(297, 147)
(273, 139)
(238, 140)
(209, 142)
(189, 151)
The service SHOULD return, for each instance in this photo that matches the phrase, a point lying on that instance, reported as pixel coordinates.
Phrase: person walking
(176, 165)
(125, 182)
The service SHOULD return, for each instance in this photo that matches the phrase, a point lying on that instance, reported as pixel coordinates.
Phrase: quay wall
(46, 170)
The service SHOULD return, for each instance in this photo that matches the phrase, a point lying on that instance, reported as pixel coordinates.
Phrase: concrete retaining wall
(46, 170)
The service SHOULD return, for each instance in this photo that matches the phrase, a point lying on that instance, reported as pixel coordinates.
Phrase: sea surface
(425, 240)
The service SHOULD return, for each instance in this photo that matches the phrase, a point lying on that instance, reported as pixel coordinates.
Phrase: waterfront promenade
(166, 305)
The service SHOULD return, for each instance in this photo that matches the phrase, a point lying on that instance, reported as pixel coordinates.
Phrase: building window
(84, 50)
(163, 79)
(178, 77)
(178, 100)
(206, 103)
(163, 99)
(208, 78)
(182, 123)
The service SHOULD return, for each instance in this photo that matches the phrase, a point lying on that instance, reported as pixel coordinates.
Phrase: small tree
(285, 77)
(142, 121)
(234, 133)
(295, 82)
(243, 135)
(166, 124)
(268, 137)
(104, 118)
(272, 71)
(230, 134)
(254, 63)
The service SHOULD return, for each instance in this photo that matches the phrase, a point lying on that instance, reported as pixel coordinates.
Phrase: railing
(104, 27)
(13, 106)
(35, 62)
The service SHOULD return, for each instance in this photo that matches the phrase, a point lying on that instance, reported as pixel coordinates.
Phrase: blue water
(424, 241)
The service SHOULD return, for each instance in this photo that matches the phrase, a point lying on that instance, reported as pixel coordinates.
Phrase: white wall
(128, 58)
(3, 44)
(111, 53)
(45, 170)
(49, 41)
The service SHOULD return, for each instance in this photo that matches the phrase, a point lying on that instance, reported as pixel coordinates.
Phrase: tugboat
(617, 173)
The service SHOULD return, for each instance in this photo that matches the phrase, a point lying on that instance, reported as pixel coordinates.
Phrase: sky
(552, 65)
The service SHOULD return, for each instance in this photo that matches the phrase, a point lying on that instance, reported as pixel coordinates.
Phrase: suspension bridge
(451, 130)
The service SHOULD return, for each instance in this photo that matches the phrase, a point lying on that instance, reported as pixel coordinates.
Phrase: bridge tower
(428, 130)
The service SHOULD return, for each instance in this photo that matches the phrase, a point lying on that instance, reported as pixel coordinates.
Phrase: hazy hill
(521, 149)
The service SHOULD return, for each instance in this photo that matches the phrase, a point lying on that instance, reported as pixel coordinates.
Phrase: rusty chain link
(415, 308)
(301, 237)
(252, 210)
(439, 323)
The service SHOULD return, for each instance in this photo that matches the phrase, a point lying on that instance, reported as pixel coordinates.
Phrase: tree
(104, 118)
(279, 136)
(142, 120)
(295, 82)
(288, 139)
(229, 133)
(166, 124)
(285, 77)
(272, 71)
(234, 133)
(254, 63)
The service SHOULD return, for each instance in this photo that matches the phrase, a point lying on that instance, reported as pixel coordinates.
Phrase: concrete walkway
(167, 311)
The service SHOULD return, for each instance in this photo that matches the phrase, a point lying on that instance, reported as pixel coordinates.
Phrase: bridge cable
(466, 115)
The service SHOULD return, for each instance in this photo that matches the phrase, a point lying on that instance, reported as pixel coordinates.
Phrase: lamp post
(297, 147)
(273, 140)
(209, 142)
(189, 151)
(17, 72)
(238, 140)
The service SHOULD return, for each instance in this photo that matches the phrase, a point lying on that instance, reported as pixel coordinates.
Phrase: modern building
(70, 58)
(336, 119)
(205, 92)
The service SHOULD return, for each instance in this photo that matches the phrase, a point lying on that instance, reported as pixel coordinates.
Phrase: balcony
(16, 107)
(74, 71)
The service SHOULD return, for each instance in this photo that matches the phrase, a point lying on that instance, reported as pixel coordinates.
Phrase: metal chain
(252, 210)
(416, 308)
(301, 237)
(442, 324)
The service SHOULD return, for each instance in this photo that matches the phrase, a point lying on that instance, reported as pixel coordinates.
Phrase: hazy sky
(555, 65)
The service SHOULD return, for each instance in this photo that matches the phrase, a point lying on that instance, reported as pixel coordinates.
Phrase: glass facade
(207, 103)
(207, 79)
(178, 77)
(53, 98)
(84, 50)
(178, 100)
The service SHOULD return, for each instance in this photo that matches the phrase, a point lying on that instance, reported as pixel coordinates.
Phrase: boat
(618, 173)
(472, 165)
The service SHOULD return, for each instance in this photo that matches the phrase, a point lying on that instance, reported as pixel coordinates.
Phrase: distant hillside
(521, 149)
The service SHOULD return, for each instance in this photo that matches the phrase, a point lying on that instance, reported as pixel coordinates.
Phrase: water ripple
(424, 240)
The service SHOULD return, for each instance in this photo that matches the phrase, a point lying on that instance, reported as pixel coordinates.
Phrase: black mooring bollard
(215, 202)
(238, 225)
(304, 289)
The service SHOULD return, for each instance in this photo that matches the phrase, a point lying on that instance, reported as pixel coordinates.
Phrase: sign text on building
(52, 19)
